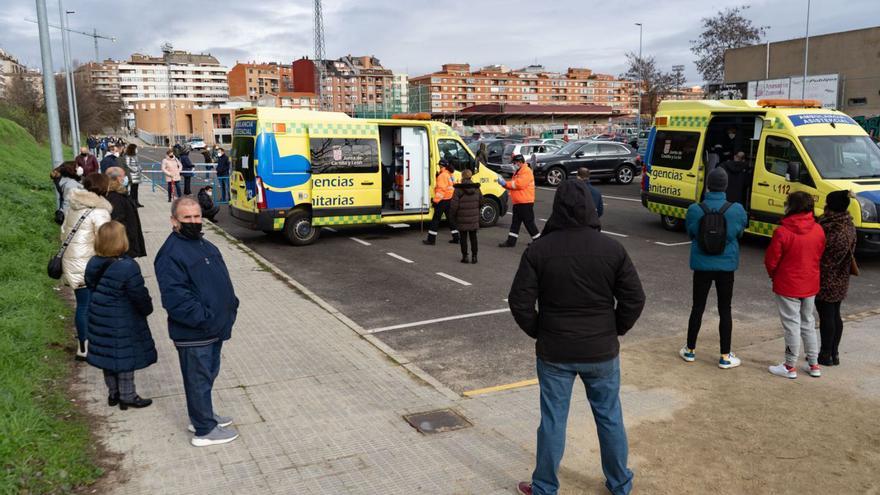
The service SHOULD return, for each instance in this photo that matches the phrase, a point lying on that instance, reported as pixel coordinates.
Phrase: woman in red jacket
(792, 261)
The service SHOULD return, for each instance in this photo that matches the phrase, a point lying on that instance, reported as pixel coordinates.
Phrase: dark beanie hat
(717, 180)
(837, 201)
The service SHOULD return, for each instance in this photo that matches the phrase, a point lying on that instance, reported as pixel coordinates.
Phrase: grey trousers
(799, 324)
(121, 384)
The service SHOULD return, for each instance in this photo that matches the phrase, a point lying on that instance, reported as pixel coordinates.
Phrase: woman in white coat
(90, 205)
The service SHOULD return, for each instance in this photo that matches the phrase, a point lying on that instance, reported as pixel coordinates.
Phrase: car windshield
(843, 157)
(569, 148)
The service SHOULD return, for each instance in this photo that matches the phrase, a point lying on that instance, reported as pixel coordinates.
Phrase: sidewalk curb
(395, 356)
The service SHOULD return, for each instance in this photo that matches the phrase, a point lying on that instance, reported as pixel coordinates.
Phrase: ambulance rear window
(675, 149)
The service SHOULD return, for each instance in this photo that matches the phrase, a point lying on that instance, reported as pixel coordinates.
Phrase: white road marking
(454, 279)
(365, 243)
(670, 244)
(398, 225)
(329, 229)
(401, 258)
(614, 233)
(438, 320)
(622, 199)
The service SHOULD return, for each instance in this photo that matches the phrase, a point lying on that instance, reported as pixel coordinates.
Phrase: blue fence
(203, 175)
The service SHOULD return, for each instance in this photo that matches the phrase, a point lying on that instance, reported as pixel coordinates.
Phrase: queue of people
(103, 238)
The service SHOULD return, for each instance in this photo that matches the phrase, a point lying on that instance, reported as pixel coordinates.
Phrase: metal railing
(202, 175)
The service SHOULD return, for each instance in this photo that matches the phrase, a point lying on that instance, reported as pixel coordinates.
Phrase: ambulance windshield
(843, 157)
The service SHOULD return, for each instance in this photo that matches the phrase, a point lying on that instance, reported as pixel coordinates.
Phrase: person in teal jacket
(717, 268)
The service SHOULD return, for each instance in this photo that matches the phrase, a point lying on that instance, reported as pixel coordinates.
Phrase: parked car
(494, 149)
(605, 159)
(555, 141)
(527, 150)
(197, 144)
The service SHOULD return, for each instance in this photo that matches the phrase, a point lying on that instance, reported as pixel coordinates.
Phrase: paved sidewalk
(319, 405)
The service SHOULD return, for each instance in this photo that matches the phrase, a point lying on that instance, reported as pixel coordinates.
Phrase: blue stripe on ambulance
(283, 171)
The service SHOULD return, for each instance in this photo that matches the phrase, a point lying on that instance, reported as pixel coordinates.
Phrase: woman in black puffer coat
(464, 212)
(119, 337)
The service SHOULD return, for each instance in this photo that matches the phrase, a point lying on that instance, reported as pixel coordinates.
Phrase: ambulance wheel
(625, 174)
(671, 223)
(298, 229)
(490, 211)
(555, 176)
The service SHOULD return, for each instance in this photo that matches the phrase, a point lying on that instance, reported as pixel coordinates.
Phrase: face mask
(731, 135)
(220, 153)
(190, 230)
(83, 154)
(125, 181)
(79, 171)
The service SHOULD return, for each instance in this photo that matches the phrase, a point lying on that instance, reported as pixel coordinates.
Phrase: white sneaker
(687, 354)
(813, 370)
(731, 362)
(82, 350)
(783, 371)
(217, 436)
(223, 421)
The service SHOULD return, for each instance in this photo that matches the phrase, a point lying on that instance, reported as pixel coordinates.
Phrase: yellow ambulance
(296, 171)
(787, 146)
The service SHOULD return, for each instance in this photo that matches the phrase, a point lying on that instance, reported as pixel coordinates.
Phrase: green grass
(45, 444)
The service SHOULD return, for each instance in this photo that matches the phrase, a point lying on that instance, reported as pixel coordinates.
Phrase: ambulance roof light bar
(789, 103)
(412, 116)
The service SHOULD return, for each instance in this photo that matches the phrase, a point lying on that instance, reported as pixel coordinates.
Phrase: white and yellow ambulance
(297, 171)
(789, 145)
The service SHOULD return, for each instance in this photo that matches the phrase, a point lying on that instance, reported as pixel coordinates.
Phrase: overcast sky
(417, 36)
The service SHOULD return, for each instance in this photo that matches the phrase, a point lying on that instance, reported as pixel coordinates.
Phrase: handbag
(54, 268)
(853, 266)
(59, 213)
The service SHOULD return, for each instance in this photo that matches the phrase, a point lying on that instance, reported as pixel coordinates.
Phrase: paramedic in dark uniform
(443, 191)
(522, 195)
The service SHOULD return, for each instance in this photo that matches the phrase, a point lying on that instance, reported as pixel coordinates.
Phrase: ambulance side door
(675, 167)
(346, 178)
(779, 170)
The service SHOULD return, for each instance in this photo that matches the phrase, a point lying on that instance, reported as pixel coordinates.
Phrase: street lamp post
(641, 68)
(806, 52)
(73, 81)
(167, 48)
(65, 40)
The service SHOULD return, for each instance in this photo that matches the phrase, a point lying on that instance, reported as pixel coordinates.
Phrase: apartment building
(347, 83)
(104, 77)
(456, 87)
(256, 80)
(11, 68)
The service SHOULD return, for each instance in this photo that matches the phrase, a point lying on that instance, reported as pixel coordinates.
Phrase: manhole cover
(437, 421)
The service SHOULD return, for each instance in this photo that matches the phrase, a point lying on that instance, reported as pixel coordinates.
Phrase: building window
(857, 101)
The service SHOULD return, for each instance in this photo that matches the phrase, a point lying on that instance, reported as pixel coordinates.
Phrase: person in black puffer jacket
(587, 293)
(120, 341)
(464, 210)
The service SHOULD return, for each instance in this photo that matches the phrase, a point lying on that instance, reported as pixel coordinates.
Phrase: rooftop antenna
(319, 53)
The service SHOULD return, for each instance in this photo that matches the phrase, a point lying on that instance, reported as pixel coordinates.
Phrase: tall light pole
(49, 85)
(167, 48)
(806, 52)
(73, 82)
(65, 40)
(641, 68)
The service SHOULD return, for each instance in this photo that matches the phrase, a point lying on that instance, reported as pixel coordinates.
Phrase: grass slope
(44, 443)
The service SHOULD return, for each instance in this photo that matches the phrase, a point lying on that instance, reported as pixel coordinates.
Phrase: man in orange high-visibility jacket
(443, 191)
(522, 195)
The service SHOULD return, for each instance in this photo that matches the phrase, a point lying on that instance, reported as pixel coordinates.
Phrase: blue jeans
(81, 317)
(223, 185)
(602, 381)
(199, 366)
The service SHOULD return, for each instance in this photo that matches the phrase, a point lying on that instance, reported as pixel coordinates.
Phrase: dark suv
(605, 159)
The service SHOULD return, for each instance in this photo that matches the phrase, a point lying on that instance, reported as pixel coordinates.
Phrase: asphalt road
(387, 281)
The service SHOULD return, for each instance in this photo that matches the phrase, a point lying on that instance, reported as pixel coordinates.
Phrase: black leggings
(463, 241)
(133, 192)
(830, 327)
(724, 290)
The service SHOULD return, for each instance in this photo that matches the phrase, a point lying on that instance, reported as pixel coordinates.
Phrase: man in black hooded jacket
(587, 293)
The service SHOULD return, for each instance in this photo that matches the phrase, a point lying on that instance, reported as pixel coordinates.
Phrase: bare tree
(726, 30)
(96, 110)
(656, 84)
(677, 79)
(23, 104)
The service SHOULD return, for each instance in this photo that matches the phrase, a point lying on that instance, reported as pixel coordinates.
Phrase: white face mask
(125, 181)
(731, 135)
(79, 171)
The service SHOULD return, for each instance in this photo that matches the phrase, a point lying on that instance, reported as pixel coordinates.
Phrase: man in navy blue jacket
(223, 174)
(198, 295)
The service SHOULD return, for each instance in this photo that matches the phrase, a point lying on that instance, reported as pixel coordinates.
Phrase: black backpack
(712, 237)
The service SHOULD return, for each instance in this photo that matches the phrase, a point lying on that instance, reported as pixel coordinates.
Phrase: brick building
(348, 83)
(104, 77)
(456, 87)
(255, 80)
(11, 69)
